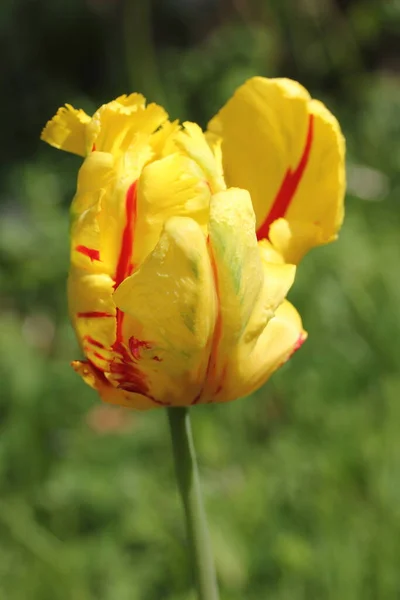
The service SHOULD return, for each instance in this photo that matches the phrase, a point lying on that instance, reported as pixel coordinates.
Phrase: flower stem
(189, 486)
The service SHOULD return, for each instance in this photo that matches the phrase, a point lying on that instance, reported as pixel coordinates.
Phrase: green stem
(187, 475)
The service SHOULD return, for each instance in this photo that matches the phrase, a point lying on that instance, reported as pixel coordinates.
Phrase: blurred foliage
(302, 480)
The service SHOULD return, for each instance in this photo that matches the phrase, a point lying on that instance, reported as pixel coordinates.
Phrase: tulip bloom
(184, 244)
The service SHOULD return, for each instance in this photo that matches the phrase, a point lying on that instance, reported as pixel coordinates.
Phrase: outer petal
(288, 151)
(248, 292)
(67, 130)
(96, 175)
(104, 215)
(171, 302)
(237, 261)
(251, 282)
(93, 314)
(96, 380)
(255, 362)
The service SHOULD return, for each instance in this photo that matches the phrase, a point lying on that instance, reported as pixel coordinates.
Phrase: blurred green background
(302, 480)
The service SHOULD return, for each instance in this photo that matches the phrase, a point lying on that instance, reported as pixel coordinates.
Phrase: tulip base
(189, 486)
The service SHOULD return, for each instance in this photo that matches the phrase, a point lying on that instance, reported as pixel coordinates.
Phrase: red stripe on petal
(90, 252)
(124, 266)
(129, 376)
(298, 344)
(97, 355)
(94, 342)
(125, 371)
(136, 345)
(197, 398)
(289, 186)
(93, 314)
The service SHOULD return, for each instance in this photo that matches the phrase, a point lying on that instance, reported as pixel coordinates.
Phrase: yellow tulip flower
(177, 283)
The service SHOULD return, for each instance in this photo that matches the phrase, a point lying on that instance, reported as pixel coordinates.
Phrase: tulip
(183, 249)
(184, 244)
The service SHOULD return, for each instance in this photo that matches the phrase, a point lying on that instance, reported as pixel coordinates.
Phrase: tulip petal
(67, 130)
(96, 380)
(171, 304)
(162, 140)
(238, 273)
(269, 253)
(193, 142)
(172, 186)
(104, 216)
(293, 239)
(98, 214)
(255, 362)
(114, 126)
(93, 314)
(252, 282)
(288, 151)
(85, 210)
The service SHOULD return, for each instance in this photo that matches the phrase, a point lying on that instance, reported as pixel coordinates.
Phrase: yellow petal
(67, 130)
(255, 363)
(193, 141)
(287, 150)
(96, 380)
(96, 173)
(252, 282)
(319, 197)
(98, 325)
(238, 272)
(293, 239)
(93, 314)
(115, 125)
(269, 253)
(278, 279)
(215, 143)
(162, 140)
(171, 302)
(117, 221)
(104, 216)
(94, 176)
(172, 186)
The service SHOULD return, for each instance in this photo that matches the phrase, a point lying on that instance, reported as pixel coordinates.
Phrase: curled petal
(255, 362)
(115, 126)
(67, 130)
